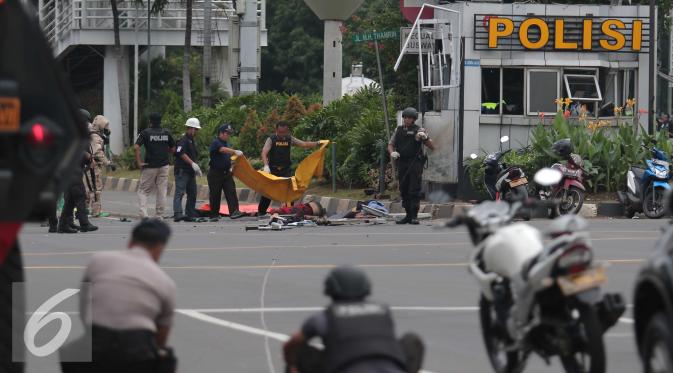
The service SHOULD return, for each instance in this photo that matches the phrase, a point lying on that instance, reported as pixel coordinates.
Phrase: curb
(334, 205)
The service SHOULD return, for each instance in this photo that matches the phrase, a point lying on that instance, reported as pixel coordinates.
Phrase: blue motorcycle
(646, 186)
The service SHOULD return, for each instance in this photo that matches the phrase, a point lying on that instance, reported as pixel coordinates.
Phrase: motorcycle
(646, 186)
(569, 191)
(503, 182)
(537, 297)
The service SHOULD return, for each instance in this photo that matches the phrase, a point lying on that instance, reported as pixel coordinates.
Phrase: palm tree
(186, 83)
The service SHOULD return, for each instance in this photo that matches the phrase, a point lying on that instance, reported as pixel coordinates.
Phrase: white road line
(316, 309)
(626, 320)
(243, 328)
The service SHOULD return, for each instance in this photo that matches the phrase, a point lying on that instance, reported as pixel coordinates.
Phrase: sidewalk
(120, 199)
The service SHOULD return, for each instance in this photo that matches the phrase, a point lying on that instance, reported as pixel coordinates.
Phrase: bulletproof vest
(360, 331)
(156, 148)
(406, 144)
(280, 154)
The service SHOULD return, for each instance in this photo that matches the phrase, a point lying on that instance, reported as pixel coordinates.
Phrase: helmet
(347, 283)
(85, 114)
(193, 122)
(563, 148)
(100, 123)
(226, 127)
(410, 113)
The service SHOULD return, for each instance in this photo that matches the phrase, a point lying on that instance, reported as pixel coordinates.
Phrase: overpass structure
(76, 27)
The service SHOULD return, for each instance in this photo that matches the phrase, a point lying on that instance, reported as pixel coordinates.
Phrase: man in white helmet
(186, 171)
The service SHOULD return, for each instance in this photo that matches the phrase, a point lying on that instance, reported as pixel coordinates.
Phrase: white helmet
(193, 122)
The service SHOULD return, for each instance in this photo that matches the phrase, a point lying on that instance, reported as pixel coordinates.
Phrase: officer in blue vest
(359, 335)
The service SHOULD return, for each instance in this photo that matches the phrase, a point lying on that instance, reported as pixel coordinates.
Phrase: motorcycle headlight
(661, 173)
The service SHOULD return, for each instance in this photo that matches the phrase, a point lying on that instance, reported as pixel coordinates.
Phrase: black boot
(64, 227)
(53, 225)
(407, 217)
(415, 206)
(85, 224)
(73, 225)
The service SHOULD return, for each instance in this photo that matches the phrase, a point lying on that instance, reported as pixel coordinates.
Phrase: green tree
(248, 135)
(294, 111)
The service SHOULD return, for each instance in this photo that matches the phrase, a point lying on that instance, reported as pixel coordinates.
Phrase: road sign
(427, 40)
(376, 35)
(411, 8)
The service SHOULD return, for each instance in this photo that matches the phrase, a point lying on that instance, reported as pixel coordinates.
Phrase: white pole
(135, 77)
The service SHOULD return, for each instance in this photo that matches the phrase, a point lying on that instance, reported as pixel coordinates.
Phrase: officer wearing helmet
(186, 170)
(358, 335)
(98, 134)
(406, 147)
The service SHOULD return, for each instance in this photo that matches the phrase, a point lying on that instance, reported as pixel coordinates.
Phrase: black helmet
(563, 148)
(410, 113)
(85, 114)
(347, 283)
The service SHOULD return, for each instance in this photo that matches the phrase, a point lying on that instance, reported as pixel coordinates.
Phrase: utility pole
(207, 53)
(135, 76)
(149, 56)
(652, 55)
(385, 104)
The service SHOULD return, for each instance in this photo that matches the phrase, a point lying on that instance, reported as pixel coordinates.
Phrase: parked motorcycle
(646, 186)
(569, 191)
(503, 182)
(537, 297)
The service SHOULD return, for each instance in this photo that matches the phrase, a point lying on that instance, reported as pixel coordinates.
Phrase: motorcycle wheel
(572, 203)
(653, 203)
(657, 345)
(589, 351)
(495, 341)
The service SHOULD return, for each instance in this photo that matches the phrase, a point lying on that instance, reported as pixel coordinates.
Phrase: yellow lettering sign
(559, 39)
(587, 27)
(524, 33)
(495, 32)
(609, 31)
(637, 35)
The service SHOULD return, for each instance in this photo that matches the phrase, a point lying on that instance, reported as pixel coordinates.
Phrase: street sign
(427, 40)
(376, 35)
(411, 8)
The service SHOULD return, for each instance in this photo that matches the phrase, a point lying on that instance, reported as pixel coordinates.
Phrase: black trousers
(264, 202)
(75, 196)
(219, 181)
(410, 175)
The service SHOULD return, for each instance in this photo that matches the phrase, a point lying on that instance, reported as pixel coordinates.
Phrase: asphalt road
(220, 270)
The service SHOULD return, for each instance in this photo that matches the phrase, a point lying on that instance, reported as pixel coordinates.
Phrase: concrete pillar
(222, 69)
(111, 99)
(250, 48)
(332, 56)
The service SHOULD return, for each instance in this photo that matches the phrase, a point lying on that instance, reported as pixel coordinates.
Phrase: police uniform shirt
(157, 142)
(317, 326)
(404, 142)
(128, 291)
(280, 156)
(187, 146)
(218, 160)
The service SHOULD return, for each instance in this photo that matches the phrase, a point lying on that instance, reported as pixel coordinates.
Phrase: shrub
(248, 136)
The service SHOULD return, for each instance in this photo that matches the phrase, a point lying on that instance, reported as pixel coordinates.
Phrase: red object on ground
(411, 8)
(8, 234)
(224, 209)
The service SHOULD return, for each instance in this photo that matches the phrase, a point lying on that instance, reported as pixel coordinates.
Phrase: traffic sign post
(376, 35)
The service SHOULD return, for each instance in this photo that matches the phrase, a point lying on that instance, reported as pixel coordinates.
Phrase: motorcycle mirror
(473, 156)
(548, 177)
(504, 139)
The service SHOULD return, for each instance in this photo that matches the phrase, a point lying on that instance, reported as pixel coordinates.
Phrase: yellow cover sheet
(283, 189)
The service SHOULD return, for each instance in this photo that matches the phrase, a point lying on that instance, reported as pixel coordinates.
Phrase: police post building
(519, 58)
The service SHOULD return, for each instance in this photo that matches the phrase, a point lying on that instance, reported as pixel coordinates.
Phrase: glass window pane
(490, 90)
(512, 91)
(543, 90)
(607, 82)
(582, 87)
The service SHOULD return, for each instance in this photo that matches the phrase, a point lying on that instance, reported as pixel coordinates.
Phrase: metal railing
(60, 17)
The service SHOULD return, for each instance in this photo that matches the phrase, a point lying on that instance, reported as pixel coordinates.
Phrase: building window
(543, 90)
(502, 91)
(582, 87)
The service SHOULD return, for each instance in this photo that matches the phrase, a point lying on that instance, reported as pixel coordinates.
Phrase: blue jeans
(185, 181)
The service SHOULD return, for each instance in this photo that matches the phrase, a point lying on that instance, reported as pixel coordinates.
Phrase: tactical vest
(406, 144)
(358, 331)
(280, 153)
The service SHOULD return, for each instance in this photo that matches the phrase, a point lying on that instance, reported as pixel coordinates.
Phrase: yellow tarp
(283, 189)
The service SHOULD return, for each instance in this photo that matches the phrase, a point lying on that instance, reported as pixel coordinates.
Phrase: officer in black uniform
(277, 156)
(220, 177)
(186, 170)
(359, 335)
(406, 147)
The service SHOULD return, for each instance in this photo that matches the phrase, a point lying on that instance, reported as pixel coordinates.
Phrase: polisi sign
(561, 33)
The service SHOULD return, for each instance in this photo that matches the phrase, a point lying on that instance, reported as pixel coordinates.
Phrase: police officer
(219, 175)
(406, 147)
(74, 197)
(359, 335)
(186, 170)
(277, 156)
(130, 308)
(158, 143)
(99, 127)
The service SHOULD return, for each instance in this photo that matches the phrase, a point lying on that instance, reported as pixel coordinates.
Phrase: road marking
(317, 309)
(626, 320)
(328, 266)
(241, 327)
